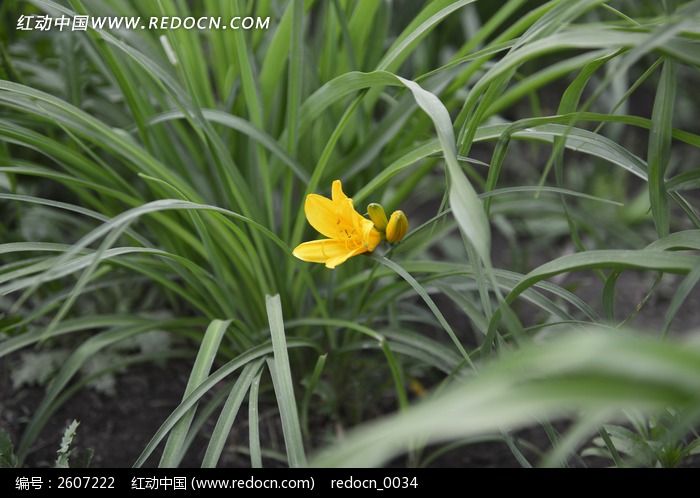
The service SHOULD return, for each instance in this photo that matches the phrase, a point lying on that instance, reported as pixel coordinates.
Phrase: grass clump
(544, 153)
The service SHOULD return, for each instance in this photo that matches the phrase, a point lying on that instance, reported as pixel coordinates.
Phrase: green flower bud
(377, 215)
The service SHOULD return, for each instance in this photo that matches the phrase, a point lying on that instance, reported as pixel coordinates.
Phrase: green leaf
(254, 424)
(172, 453)
(660, 146)
(228, 413)
(284, 387)
(8, 459)
(682, 292)
(466, 205)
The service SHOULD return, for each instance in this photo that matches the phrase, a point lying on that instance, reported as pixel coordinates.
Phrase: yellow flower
(348, 232)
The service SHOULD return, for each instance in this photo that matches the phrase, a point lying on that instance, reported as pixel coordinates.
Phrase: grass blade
(284, 387)
(228, 414)
(200, 370)
(254, 423)
(660, 146)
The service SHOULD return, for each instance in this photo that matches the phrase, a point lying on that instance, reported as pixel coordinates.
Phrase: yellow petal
(322, 215)
(337, 193)
(371, 237)
(351, 219)
(333, 262)
(321, 251)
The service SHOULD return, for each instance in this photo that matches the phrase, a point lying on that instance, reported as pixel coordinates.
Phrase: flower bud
(377, 215)
(397, 227)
